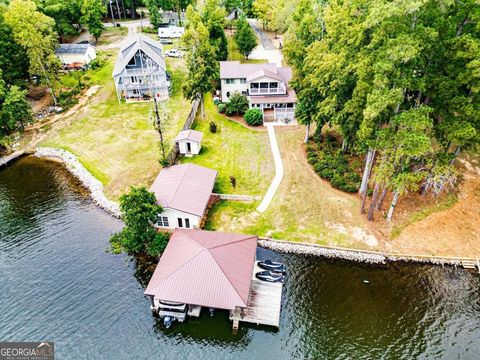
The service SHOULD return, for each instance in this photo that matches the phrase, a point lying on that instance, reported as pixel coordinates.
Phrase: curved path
(277, 179)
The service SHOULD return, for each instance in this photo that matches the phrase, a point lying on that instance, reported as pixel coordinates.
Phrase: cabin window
(162, 221)
(228, 94)
(243, 81)
(135, 92)
(133, 79)
(263, 85)
(132, 61)
(254, 85)
(273, 85)
(180, 222)
(187, 223)
(229, 81)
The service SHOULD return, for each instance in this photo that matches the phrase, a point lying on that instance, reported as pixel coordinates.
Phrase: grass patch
(442, 205)
(111, 34)
(116, 141)
(305, 208)
(234, 151)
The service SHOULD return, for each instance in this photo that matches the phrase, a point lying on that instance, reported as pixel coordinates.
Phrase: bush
(332, 165)
(237, 104)
(213, 127)
(67, 99)
(254, 117)
(221, 108)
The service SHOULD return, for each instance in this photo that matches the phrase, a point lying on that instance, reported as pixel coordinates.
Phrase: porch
(279, 116)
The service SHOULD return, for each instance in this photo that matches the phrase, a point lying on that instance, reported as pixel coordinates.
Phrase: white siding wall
(231, 88)
(91, 54)
(173, 216)
(195, 147)
(81, 58)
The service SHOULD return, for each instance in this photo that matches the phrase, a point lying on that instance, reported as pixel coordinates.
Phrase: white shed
(189, 142)
(76, 53)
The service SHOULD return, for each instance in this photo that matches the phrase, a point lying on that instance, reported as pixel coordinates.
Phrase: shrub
(331, 164)
(221, 108)
(254, 117)
(67, 99)
(237, 104)
(213, 127)
(233, 181)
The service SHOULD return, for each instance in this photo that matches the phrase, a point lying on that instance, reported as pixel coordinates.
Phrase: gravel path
(266, 49)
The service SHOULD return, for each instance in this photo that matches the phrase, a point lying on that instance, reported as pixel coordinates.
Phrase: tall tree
(245, 37)
(15, 111)
(213, 17)
(263, 11)
(371, 61)
(203, 69)
(155, 15)
(92, 13)
(35, 32)
(13, 58)
(66, 14)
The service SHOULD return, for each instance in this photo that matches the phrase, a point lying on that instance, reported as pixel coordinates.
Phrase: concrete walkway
(277, 179)
(266, 49)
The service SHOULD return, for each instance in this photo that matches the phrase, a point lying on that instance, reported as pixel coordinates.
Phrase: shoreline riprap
(91, 183)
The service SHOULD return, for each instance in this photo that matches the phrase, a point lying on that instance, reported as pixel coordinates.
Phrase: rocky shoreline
(96, 190)
(92, 184)
(368, 257)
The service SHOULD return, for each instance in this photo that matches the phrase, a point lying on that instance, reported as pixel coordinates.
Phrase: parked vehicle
(174, 53)
(270, 276)
(164, 40)
(272, 266)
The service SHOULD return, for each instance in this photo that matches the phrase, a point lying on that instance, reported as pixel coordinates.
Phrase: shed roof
(72, 49)
(185, 187)
(152, 48)
(207, 268)
(192, 135)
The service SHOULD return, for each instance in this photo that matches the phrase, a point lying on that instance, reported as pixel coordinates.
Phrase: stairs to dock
(471, 264)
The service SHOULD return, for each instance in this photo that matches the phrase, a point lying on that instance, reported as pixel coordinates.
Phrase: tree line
(400, 81)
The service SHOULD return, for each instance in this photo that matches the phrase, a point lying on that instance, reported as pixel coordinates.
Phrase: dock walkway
(263, 306)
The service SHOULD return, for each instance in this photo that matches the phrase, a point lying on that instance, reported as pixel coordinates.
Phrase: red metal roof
(185, 187)
(207, 268)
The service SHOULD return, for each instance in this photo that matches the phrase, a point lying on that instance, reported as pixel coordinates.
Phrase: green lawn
(116, 141)
(305, 208)
(234, 151)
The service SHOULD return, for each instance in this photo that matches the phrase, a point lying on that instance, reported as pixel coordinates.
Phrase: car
(174, 53)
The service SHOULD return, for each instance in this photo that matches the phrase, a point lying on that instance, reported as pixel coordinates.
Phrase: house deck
(263, 306)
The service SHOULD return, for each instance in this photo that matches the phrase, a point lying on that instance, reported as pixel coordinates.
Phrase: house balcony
(267, 91)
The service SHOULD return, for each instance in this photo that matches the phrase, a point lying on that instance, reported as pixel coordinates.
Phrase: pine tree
(245, 38)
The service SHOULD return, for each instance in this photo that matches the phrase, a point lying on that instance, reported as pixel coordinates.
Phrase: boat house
(213, 270)
(189, 142)
(184, 192)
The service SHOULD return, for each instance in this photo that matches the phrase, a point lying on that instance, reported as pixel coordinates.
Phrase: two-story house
(140, 70)
(265, 85)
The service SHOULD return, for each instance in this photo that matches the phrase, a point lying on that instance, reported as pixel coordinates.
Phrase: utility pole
(111, 12)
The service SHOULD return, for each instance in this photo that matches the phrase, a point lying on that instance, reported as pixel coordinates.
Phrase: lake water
(57, 283)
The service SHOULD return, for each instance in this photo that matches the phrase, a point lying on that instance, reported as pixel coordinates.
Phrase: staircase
(471, 264)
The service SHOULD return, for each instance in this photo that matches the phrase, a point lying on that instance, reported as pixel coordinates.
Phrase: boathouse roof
(206, 268)
(185, 187)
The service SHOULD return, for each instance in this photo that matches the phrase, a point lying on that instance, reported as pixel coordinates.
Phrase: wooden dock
(263, 306)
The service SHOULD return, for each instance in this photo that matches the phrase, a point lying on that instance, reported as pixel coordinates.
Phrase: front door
(189, 148)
